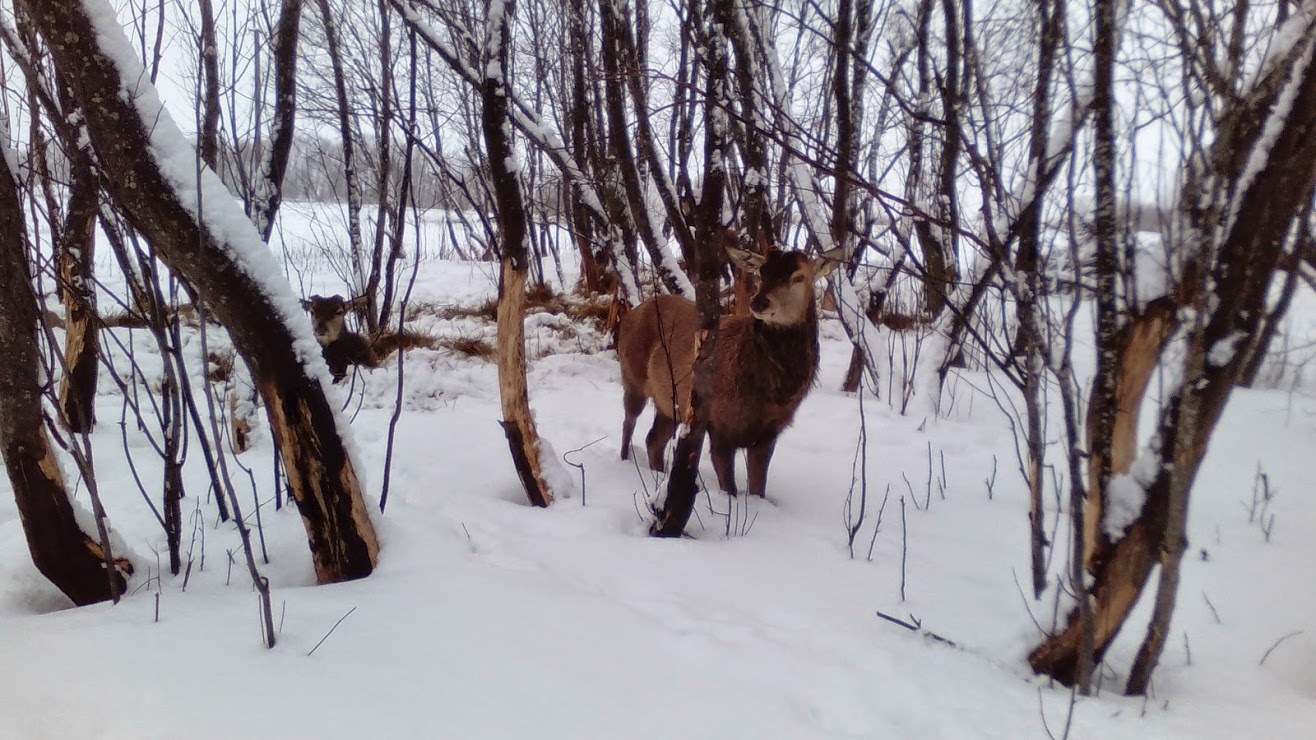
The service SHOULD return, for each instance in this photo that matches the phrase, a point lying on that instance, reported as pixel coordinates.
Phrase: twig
(909, 488)
(878, 527)
(1041, 711)
(331, 631)
(580, 466)
(897, 620)
(927, 501)
(1214, 613)
(1277, 643)
(914, 625)
(943, 483)
(904, 548)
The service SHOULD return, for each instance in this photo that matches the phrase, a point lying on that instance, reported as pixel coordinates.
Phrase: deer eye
(798, 279)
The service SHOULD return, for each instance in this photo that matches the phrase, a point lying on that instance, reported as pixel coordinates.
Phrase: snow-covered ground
(491, 619)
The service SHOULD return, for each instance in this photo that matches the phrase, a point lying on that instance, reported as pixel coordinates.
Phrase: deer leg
(724, 464)
(633, 402)
(659, 435)
(756, 464)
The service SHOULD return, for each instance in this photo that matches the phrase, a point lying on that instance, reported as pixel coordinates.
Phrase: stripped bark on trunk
(74, 247)
(77, 564)
(1261, 180)
(321, 475)
(518, 422)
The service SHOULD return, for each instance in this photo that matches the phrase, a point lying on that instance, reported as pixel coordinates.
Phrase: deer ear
(306, 305)
(745, 260)
(825, 263)
(359, 303)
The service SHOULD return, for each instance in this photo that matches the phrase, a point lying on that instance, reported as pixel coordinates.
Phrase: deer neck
(791, 349)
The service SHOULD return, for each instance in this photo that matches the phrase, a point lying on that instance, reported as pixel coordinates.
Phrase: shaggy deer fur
(341, 348)
(764, 364)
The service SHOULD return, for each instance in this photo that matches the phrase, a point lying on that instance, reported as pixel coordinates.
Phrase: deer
(764, 364)
(340, 346)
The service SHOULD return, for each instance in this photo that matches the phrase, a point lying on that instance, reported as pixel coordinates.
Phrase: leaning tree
(193, 224)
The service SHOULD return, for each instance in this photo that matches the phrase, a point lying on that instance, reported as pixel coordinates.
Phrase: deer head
(328, 315)
(785, 281)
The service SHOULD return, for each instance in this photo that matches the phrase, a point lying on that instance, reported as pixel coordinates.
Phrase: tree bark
(270, 188)
(75, 245)
(321, 475)
(518, 422)
(682, 485)
(356, 246)
(619, 137)
(1252, 224)
(70, 558)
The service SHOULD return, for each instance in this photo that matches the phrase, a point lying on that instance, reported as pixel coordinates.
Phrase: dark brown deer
(764, 364)
(341, 348)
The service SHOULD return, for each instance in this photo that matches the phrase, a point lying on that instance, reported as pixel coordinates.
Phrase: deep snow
(488, 618)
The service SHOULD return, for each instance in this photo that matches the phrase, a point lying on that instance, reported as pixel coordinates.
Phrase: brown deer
(341, 347)
(763, 365)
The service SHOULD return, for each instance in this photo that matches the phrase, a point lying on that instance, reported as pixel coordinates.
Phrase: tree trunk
(518, 423)
(356, 247)
(321, 475)
(593, 274)
(683, 484)
(1251, 225)
(75, 246)
(269, 190)
(69, 557)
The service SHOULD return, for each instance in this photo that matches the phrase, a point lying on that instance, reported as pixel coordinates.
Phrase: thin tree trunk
(356, 248)
(682, 485)
(269, 191)
(75, 245)
(518, 422)
(321, 475)
(386, 209)
(1029, 343)
(618, 46)
(208, 140)
(592, 271)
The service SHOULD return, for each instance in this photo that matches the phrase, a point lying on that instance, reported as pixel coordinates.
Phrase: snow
(489, 618)
(203, 194)
(1124, 501)
(1274, 125)
(1223, 351)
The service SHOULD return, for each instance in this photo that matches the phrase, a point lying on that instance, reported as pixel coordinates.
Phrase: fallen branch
(915, 625)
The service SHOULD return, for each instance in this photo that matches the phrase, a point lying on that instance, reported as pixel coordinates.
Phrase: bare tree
(82, 567)
(518, 422)
(682, 485)
(1241, 201)
(206, 247)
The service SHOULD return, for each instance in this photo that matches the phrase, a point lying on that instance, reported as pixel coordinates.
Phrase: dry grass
(124, 320)
(219, 366)
(387, 342)
(487, 310)
(597, 309)
(469, 347)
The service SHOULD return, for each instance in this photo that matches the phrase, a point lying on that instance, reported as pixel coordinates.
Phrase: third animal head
(784, 282)
(328, 315)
